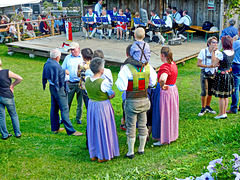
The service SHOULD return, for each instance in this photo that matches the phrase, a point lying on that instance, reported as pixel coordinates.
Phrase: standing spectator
(4, 28)
(55, 75)
(207, 74)
(71, 63)
(186, 23)
(169, 100)
(102, 134)
(7, 100)
(30, 30)
(236, 75)
(231, 30)
(223, 81)
(135, 81)
(98, 8)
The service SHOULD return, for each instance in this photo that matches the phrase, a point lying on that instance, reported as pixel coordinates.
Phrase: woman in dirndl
(223, 85)
(121, 26)
(166, 107)
(101, 128)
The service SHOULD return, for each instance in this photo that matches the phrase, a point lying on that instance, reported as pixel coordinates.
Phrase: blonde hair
(139, 33)
(0, 63)
(166, 51)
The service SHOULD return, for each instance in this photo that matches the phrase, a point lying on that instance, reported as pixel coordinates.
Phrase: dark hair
(98, 53)
(128, 49)
(115, 7)
(87, 53)
(96, 64)
(174, 8)
(128, 9)
(153, 11)
(227, 42)
(166, 51)
(209, 41)
(186, 12)
(168, 11)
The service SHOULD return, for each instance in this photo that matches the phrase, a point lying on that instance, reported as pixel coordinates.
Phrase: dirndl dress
(168, 117)
(223, 85)
(101, 130)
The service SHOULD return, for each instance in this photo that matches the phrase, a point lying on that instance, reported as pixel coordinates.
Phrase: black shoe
(202, 112)
(210, 110)
(90, 38)
(9, 135)
(79, 122)
(130, 157)
(109, 37)
(141, 153)
(184, 40)
(18, 136)
(118, 39)
(150, 41)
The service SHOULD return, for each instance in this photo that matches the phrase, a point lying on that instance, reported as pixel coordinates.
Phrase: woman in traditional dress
(166, 123)
(223, 81)
(102, 134)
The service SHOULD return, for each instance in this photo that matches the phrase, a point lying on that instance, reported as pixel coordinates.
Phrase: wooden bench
(167, 33)
(9, 39)
(199, 28)
(191, 33)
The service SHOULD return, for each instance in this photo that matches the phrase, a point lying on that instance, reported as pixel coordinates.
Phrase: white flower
(214, 162)
(205, 176)
(237, 175)
(188, 178)
(211, 168)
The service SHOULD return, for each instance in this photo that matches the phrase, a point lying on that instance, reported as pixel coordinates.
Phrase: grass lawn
(39, 154)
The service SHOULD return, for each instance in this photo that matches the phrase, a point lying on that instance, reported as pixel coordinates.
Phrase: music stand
(114, 18)
(87, 19)
(110, 12)
(101, 19)
(138, 21)
(159, 21)
(122, 19)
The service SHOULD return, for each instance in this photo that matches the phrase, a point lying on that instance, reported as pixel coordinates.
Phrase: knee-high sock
(109, 32)
(151, 35)
(142, 140)
(182, 36)
(85, 32)
(93, 32)
(101, 32)
(131, 142)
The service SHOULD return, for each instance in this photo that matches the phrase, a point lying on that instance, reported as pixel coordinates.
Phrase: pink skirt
(169, 113)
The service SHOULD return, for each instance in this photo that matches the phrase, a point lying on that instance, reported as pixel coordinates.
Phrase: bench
(199, 28)
(167, 33)
(191, 33)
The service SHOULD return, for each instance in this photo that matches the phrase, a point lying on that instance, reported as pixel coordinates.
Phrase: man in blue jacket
(55, 75)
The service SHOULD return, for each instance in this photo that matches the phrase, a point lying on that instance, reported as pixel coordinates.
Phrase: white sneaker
(223, 116)
(157, 144)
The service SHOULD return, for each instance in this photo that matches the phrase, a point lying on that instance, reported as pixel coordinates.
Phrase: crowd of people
(150, 101)
(175, 21)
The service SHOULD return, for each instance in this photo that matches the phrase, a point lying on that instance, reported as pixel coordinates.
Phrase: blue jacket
(53, 71)
(236, 47)
(231, 31)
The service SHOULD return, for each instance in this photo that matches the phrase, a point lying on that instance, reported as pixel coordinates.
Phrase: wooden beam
(52, 27)
(18, 33)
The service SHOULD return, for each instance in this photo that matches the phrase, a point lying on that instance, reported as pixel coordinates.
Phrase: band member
(105, 25)
(90, 26)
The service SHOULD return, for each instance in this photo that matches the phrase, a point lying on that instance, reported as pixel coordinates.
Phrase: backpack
(207, 25)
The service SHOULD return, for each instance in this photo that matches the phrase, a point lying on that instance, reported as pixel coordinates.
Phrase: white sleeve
(106, 86)
(168, 22)
(180, 21)
(178, 17)
(201, 55)
(219, 55)
(107, 74)
(153, 77)
(122, 81)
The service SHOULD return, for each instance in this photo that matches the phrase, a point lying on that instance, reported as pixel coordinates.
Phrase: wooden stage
(114, 51)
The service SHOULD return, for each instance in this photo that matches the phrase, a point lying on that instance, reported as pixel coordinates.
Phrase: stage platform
(114, 51)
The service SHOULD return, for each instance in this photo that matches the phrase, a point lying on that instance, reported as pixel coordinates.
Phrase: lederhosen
(153, 28)
(88, 26)
(185, 27)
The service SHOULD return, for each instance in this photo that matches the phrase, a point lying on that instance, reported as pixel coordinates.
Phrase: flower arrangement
(220, 169)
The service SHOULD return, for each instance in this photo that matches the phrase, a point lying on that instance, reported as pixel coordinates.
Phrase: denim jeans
(74, 88)
(85, 98)
(235, 95)
(59, 100)
(10, 105)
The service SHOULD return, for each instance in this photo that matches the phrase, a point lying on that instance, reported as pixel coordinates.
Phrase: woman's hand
(11, 87)
(112, 96)
(165, 87)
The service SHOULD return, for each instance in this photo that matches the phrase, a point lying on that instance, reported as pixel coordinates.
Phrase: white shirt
(93, 15)
(176, 16)
(208, 61)
(109, 19)
(98, 9)
(125, 74)
(185, 20)
(155, 17)
(107, 74)
(228, 53)
(12, 29)
(168, 21)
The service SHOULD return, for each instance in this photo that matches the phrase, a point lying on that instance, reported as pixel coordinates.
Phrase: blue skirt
(156, 120)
